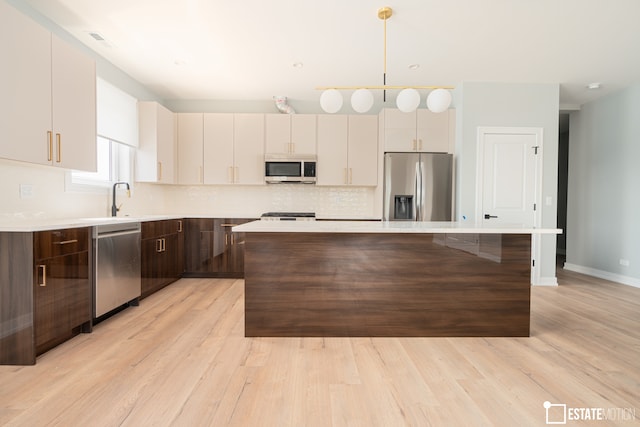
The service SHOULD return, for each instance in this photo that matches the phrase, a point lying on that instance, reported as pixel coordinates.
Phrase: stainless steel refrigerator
(417, 186)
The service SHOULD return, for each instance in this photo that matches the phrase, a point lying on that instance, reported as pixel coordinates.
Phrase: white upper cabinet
(421, 131)
(74, 107)
(248, 149)
(218, 148)
(155, 156)
(348, 150)
(290, 134)
(190, 148)
(48, 103)
(362, 151)
(332, 166)
(234, 148)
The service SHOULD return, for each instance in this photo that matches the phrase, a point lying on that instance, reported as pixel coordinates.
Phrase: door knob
(487, 216)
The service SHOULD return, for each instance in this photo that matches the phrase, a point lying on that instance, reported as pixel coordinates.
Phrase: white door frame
(537, 214)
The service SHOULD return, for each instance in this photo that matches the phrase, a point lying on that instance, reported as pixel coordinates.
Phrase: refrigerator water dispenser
(403, 207)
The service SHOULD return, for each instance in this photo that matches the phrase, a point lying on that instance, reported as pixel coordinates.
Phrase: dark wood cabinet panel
(48, 244)
(62, 295)
(16, 299)
(344, 284)
(61, 286)
(154, 229)
(212, 249)
(162, 254)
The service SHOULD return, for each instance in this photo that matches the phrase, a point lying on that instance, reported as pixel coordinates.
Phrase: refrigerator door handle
(418, 191)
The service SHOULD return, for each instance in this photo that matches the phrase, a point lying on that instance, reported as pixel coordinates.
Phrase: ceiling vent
(97, 36)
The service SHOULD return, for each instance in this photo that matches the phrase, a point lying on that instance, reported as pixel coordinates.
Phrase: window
(117, 128)
(115, 163)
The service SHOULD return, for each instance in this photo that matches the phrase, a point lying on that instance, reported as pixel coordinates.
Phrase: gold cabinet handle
(43, 270)
(164, 244)
(158, 245)
(66, 242)
(58, 148)
(415, 145)
(50, 143)
(179, 226)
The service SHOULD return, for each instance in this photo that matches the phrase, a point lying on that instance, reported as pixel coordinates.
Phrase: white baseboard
(619, 278)
(546, 281)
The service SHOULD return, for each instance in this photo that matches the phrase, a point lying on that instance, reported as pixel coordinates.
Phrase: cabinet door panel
(399, 131)
(332, 149)
(248, 149)
(74, 107)
(199, 246)
(48, 244)
(363, 150)
(64, 302)
(304, 134)
(218, 148)
(433, 131)
(190, 148)
(157, 150)
(167, 149)
(277, 133)
(151, 266)
(25, 85)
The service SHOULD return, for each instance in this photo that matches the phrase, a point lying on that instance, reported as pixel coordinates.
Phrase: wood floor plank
(181, 359)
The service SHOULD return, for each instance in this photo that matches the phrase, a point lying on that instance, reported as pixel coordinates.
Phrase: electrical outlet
(26, 191)
(624, 262)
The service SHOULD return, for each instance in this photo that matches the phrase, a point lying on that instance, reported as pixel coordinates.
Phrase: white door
(510, 180)
(509, 164)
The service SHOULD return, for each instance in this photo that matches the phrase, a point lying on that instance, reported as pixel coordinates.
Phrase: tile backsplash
(46, 196)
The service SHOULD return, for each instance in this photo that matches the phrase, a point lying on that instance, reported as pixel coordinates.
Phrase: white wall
(509, 105)
(604, 187)
(50, 198)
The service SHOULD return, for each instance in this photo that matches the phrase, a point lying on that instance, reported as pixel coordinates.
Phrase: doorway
(509, 180)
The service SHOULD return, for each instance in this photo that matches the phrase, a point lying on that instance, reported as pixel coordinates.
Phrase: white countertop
(385, 227)
(43, 224)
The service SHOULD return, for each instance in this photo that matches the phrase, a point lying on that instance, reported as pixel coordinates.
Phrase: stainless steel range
(288, 216)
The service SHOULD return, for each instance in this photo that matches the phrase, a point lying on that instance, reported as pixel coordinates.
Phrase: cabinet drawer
(48, 244)
(153, 229)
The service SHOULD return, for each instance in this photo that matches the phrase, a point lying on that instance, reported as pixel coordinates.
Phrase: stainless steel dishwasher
(117, 278)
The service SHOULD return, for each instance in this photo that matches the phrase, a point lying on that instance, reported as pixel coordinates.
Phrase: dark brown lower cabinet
(62, 296)
(61, 286)
(212, 249)
(162, 254)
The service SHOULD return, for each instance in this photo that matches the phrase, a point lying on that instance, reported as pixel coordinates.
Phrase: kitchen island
(372, 278)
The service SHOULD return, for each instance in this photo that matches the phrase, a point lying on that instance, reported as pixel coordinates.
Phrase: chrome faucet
(114, 208)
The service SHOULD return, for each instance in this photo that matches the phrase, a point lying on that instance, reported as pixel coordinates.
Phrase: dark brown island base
(322, 280)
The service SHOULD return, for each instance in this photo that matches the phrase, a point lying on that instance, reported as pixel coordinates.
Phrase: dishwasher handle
(116, 234)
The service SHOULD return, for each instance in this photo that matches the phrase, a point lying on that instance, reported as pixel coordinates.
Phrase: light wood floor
(180, 359)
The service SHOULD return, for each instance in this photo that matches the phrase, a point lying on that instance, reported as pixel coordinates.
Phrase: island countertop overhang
(410, 227)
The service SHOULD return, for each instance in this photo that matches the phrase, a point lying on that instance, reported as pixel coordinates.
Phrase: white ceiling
(245, 49)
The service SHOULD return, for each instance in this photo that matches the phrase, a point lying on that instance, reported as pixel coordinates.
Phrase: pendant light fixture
(408, 99)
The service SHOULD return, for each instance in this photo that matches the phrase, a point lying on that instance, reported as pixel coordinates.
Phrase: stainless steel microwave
(289, 169)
